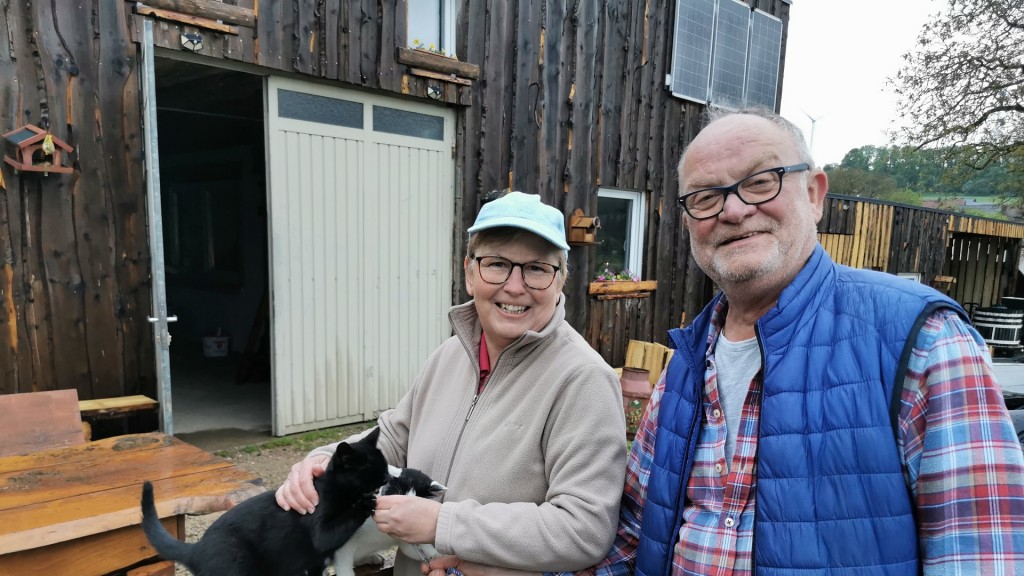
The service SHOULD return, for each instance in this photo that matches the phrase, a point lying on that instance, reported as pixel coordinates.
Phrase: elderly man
(815, 419)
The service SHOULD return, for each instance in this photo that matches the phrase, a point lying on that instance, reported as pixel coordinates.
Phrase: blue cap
(525, 211)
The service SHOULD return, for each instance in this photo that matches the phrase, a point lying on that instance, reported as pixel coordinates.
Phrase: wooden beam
(208, 9)
(438, 63)
(186, 19)
(440, 76)
(115, 406)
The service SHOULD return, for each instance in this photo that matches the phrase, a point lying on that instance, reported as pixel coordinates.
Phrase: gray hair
(714, 114)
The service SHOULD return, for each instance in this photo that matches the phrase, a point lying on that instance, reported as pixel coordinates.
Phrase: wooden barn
(290, 181)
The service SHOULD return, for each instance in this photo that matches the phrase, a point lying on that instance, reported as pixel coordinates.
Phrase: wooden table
(75, 510)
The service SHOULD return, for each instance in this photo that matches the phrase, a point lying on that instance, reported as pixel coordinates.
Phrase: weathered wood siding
(570, 96)
(352, 41)
(75, 281)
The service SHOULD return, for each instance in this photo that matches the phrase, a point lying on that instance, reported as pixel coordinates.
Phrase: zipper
(757, 454)
(458, 441)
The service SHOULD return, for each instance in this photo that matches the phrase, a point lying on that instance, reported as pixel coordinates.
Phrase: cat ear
(436, 488)
(372, 437)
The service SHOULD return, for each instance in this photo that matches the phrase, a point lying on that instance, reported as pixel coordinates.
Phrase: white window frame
(446, 33)
(637, 223)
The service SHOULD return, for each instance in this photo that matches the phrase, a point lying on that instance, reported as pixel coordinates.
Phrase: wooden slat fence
(981, 254)
(985, 268)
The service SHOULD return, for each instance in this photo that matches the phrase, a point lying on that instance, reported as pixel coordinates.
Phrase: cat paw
(365, 506)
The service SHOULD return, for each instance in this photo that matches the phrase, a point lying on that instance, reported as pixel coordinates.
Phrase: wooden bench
(103, 408)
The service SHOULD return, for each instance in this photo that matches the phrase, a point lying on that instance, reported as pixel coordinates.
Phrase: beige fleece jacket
(534, 465)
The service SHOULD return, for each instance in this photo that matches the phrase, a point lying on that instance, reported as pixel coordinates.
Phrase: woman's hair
(506, 235)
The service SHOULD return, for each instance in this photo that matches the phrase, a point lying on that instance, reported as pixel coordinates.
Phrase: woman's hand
(440, 565)
(409, 518)
(298, 493)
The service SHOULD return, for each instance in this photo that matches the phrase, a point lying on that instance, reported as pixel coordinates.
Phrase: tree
(962, 89)
(860, 182)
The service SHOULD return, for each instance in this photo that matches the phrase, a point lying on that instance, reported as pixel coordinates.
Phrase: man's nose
(734, 208)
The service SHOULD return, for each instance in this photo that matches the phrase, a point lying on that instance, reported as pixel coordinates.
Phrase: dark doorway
(214, 204)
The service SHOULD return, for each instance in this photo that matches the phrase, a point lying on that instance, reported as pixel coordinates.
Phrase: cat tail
(169, 547)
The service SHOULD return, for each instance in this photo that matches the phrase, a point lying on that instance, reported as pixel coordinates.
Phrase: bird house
(32, 149)
(583, 229)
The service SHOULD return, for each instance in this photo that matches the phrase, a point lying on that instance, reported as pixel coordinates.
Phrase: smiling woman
(513, 408)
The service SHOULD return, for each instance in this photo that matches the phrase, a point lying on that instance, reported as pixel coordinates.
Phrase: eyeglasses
(757, 188)
(496, 270)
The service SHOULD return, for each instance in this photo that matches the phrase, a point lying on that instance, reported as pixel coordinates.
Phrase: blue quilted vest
(831, 496)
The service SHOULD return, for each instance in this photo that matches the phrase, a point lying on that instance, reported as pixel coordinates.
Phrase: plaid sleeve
(963, 462)
(621, 558)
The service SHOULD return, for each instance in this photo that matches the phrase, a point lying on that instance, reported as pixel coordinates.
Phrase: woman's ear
(468, 275)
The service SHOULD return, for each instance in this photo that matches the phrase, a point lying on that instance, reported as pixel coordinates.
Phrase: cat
(258, 538)
(369, 540)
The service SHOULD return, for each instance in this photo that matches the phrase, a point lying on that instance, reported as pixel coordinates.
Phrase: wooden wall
(569, 96)
(572, 97)
(75, 282)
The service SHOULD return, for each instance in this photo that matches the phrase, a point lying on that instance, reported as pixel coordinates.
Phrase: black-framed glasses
(757, 188)
(496, 270)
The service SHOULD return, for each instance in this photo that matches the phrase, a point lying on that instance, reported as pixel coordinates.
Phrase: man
(815, 419)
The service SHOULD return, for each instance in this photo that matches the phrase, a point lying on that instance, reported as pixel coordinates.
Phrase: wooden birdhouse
(583, 229)
(33, 149)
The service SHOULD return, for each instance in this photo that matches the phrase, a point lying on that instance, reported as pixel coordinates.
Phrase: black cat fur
(258, 538)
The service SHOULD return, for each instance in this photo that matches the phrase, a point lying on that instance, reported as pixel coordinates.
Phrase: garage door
(361, 229)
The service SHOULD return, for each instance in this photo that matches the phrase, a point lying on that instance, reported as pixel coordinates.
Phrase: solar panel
(763, 64)
(691, 58)
(730, 57)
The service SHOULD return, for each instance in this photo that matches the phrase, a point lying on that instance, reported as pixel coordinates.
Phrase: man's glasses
(496, 270)
(755, 189)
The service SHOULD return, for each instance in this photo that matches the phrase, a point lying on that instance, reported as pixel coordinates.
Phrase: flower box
(623, 286)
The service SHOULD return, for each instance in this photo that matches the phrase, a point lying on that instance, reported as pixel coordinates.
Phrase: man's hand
(409, 518)
(298, 493)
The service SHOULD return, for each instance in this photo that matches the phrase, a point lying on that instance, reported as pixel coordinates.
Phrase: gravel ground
(271, 461)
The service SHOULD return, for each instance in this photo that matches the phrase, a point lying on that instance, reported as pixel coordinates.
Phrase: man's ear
(817, 188)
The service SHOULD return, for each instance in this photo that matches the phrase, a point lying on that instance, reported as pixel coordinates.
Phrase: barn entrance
(334, 205)
(214, 207)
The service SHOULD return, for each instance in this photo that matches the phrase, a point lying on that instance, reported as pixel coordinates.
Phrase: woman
(516, 414)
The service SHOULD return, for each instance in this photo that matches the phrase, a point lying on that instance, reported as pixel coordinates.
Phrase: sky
(838, 58)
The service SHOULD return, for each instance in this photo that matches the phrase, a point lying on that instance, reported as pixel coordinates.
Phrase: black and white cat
(258, 538)
(368, 540)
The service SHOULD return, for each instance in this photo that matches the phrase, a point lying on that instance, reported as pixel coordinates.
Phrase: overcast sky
(838, 56)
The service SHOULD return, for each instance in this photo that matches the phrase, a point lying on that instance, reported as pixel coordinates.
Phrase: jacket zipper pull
(471, 406)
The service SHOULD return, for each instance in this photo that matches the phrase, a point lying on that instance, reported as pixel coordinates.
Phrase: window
(725, 54)
(623, 215)
(406, 123)
(432, 25)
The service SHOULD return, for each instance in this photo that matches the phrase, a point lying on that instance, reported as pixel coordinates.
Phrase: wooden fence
(980, 254)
